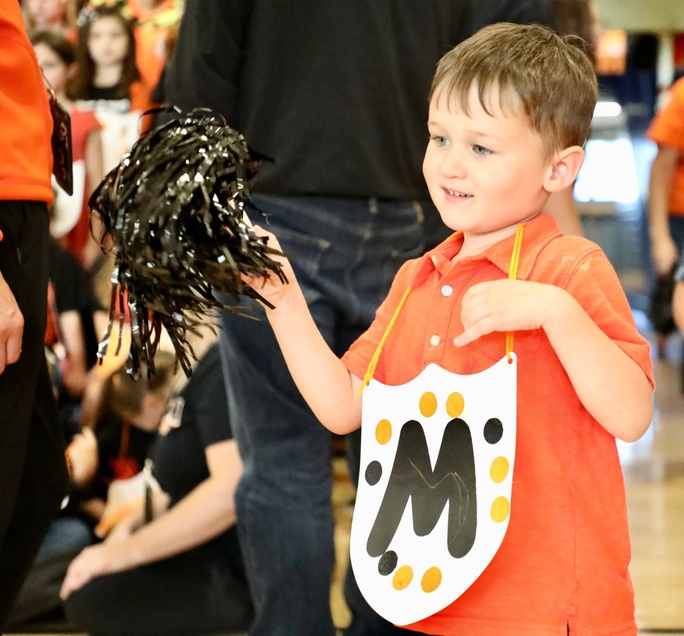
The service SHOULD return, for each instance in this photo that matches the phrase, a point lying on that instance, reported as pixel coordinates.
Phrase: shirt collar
(538, 232)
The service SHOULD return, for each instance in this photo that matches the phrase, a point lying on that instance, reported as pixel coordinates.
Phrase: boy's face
(485, 172)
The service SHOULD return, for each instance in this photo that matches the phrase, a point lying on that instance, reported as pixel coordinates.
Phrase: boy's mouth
(456, 193)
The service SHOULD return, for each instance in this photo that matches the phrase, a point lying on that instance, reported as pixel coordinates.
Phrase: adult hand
(94, 561)
(11, 326)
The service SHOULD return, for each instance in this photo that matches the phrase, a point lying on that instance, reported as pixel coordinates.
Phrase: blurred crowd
(134, 448)
(103, 61)
(150, 518)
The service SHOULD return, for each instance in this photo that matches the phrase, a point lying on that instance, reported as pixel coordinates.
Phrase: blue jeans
(345, 253)
(65, 534)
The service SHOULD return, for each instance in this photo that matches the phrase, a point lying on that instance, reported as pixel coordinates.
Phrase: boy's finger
(472, 333)
(465, 338)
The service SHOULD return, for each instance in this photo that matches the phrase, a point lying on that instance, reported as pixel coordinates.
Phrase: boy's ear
(565, 165)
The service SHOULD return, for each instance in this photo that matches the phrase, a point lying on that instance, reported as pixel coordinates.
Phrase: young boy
(510, 109)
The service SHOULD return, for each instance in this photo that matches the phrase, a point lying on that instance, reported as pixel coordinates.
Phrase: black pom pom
(175, 213)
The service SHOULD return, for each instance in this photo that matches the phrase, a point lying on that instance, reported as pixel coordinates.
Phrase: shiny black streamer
(174, 211)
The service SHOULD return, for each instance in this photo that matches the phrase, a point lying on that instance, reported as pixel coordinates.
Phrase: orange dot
(431, 579)
(498, 471)
(383, 432)
(402, 577)
(455, 404)
(500, 509)
(428, 404)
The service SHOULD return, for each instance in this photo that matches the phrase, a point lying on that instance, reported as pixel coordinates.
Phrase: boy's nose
(452, 164)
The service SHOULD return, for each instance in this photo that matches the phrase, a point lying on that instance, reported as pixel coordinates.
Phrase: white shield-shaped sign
(434, 494)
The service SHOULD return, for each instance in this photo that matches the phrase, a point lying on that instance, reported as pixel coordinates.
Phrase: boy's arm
(610, 385)
(321, 377)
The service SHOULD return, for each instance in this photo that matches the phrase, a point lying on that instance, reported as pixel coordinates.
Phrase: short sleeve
(667, 128)
(596, 286)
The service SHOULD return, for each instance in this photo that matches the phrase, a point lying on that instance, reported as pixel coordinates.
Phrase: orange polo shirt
(25, 121)
(667, 129)
(564, 560)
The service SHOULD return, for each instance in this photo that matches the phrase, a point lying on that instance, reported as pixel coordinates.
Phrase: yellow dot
(498, 471)
(500, 509)
(428, 404)
(383, 432)
(454, 405)
(402, 577)
(431, 579)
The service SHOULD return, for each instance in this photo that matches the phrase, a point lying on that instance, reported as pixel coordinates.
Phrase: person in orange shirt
(666, 188)
(666, 208)
(666, 196)
(510, 110)
(33, 476)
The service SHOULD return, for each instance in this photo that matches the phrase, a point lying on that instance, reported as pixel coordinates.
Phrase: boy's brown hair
(551, 76)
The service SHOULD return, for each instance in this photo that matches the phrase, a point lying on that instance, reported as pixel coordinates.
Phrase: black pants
(187, 594)
(33, 478)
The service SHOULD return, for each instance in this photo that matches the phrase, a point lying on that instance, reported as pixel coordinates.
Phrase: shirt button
(447, 290)
(434, 340)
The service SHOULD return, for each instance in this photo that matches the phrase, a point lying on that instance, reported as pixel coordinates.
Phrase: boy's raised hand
(271, 287)
(506, 305)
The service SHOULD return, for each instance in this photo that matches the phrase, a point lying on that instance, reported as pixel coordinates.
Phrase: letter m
(452, 483)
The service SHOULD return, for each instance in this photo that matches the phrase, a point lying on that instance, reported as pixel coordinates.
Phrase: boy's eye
(439, 141)
(481, 150)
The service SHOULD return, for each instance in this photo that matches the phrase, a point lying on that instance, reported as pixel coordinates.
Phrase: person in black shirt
(337, 94)
(113, 449)
(182, 571)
